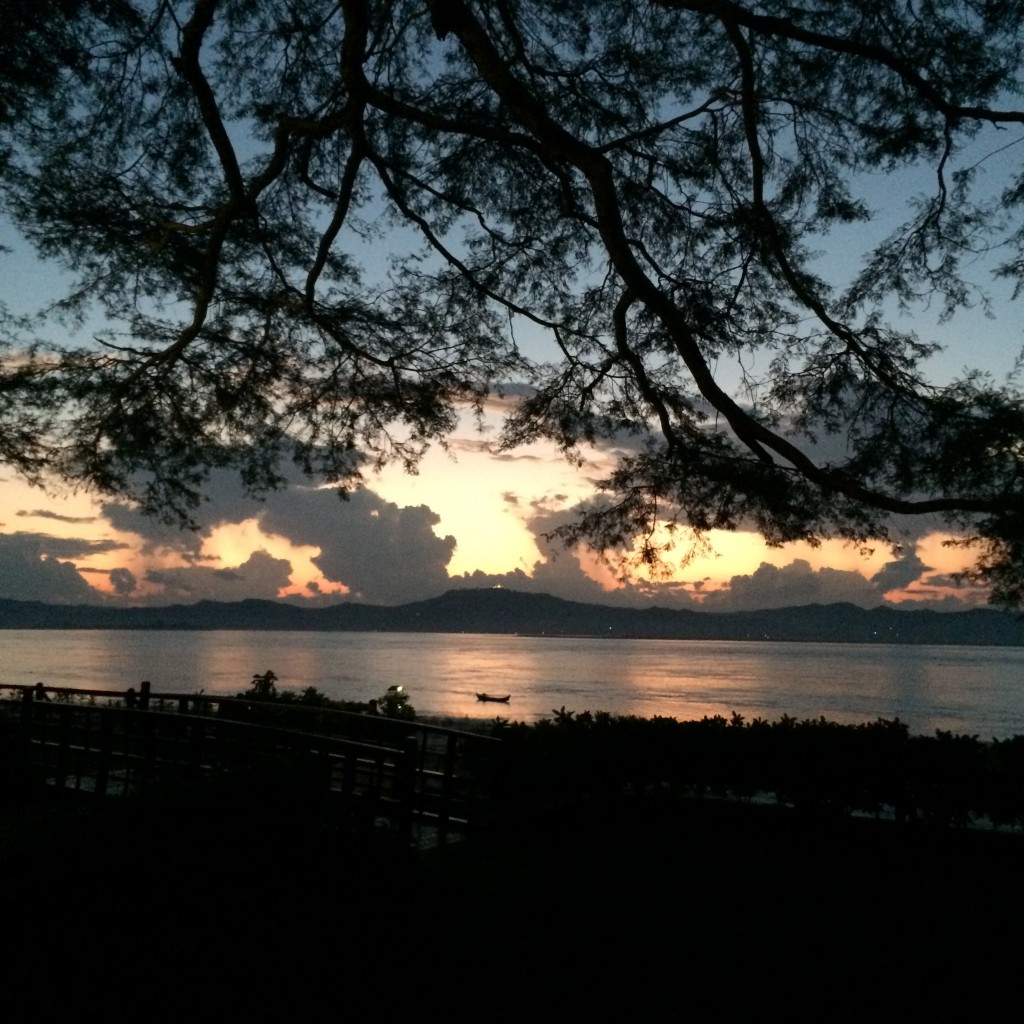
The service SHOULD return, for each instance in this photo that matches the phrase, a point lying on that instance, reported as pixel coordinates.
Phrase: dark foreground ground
(635, 910)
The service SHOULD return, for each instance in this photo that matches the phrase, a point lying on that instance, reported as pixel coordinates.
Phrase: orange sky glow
(490, 510)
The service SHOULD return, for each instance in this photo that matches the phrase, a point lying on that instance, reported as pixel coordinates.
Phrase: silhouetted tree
(264, 686)
(642, 185)
(394, 703)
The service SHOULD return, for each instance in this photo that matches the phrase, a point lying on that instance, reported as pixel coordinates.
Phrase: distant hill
(510, 611)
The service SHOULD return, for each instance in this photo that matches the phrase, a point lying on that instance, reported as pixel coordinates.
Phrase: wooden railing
(354, 768)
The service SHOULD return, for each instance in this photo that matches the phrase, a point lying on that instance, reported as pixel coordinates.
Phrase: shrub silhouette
(395, 704)
(815, 767)
(263, 686)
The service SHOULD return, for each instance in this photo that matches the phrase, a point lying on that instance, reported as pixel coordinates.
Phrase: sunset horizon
(470, 518)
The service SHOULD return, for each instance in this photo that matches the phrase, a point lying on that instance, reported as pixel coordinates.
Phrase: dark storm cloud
(71, 547)
(155, 535)
(903, 570)
(382, 553)
(386, 554)
(767, 587)
(63, 547)
(261, 576)
(797, 584)
(771, 586)
(123, 581)
(27, 573)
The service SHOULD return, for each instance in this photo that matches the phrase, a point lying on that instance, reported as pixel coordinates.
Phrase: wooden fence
(353, 770)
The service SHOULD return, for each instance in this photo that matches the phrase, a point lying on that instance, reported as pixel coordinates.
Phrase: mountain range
(514, 612)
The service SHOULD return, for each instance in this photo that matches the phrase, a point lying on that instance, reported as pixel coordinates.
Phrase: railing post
(106, 739)
(197, 734)
(63, 744)
(447, 781)
(26, 709)
(348, 776)
(149, 754)
(407, 788)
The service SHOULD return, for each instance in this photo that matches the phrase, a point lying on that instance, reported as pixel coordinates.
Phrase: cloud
(123, 581)
(29, 574)
(42, 513)
(156, 536)
(559, 571)
(900, 573)
(518, 457)
(562, 578)
(470, 446)
(59, 547)
(261, 576)
(770, 586)
(70, 547)
(382, 553)
(798, 583)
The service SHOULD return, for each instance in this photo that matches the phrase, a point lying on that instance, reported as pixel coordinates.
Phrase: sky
(471, 517)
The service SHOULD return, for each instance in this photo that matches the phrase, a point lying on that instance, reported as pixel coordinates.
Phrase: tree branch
(785, 28)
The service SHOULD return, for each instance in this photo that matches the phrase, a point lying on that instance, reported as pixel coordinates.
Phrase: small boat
(494, 700)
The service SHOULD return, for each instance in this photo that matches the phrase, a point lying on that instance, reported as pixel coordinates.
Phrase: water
(964, 689)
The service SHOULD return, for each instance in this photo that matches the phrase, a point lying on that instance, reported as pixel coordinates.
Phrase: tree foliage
(319, 230)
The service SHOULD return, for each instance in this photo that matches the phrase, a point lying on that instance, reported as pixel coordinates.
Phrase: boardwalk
(349, 771)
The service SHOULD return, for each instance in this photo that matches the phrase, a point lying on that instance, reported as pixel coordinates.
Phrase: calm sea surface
(979, 690)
